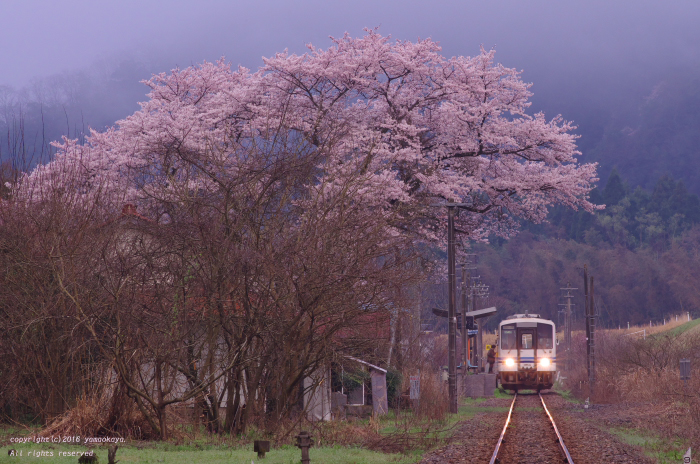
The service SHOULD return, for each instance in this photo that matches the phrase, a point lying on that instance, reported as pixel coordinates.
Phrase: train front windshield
(508, 337)
(545, 337)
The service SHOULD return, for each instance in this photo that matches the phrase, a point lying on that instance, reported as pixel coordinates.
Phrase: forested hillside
(643, 250)
(633, 217)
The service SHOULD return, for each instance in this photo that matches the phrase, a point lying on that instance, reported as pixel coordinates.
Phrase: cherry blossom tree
(297, 196)
(424, 127)
(397, 120)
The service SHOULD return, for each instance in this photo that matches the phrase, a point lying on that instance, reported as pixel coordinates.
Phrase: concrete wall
(479, 385)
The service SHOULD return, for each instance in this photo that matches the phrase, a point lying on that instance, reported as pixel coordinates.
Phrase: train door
(526, 347)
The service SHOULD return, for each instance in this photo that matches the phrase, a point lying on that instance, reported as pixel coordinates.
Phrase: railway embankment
(639, 395)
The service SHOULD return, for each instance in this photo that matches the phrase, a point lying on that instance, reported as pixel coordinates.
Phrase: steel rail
(556, 430)
(500, 439)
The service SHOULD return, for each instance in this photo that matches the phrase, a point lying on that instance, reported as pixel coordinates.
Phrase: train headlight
(510, 362)
(545, 362)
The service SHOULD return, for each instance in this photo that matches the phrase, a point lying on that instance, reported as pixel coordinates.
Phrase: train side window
(508, 338)
(526, 342)
(545, 338)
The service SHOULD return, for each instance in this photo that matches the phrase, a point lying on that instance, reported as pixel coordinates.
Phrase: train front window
(526, 341)
(508, 337)
(545, 338)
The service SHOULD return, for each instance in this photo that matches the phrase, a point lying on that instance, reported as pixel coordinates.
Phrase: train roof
(525, 316)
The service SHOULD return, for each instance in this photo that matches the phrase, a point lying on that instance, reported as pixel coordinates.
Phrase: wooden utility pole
(478, 290)
(472, 307)
(466, 299)
(590, 330)
(591, 341)
(465, 335)
(586, 313)
(482, 289)
(568, 321)
(451, 310)
(451, 316)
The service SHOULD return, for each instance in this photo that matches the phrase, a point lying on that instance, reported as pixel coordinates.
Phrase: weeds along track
(530, 435)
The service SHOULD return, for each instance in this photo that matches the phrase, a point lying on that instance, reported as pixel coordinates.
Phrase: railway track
(530, 435)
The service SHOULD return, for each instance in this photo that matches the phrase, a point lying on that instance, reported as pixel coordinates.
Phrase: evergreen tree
(614, 190)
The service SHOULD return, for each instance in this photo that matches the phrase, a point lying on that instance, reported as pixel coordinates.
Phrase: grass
(202, 449)
(467, 409)
(684, 327)
(497, 393)
(662, 450)
(283, 455)
(671, 325)
(471, 406)
(196, 451)
(567, 395)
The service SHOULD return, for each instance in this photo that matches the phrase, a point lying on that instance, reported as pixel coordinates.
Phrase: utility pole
(480, 291)
(591, 343)
(567, 321)
(469, 265)
(451, 317)
(465, 335)
(473, 283)
(586, 313)
(590, 330)
(472, 302)
(451, 310)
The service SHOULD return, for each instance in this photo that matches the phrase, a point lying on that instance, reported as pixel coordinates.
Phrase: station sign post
(685, 370)
(415, 391)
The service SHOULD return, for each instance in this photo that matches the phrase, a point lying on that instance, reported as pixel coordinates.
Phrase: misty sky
(550, 40)
(591, 61)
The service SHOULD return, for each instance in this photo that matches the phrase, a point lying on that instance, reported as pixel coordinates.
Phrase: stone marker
(261, 447)
(304, 442)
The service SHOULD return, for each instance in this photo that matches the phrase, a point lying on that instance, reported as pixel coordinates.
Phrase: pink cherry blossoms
(392, 125)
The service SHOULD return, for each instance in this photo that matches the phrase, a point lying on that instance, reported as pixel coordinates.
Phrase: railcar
(527, 352)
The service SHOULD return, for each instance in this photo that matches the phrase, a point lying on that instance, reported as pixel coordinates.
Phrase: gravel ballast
(587, 441)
